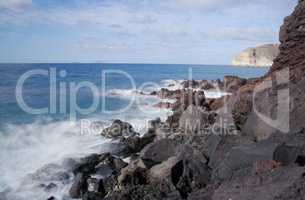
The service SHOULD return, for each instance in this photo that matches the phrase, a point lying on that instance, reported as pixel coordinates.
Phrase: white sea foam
(24, 149)
(27, 148)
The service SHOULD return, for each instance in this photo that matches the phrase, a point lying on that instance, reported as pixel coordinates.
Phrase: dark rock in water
(206, 85)
(164, 105)
(132, 145)
(190, 97)
(159, 151)
(154, 124)
(95, 163)
(286, 155)
(50, 187)
(95, 188)
(168, 94)
(190, 84)
(51, 198)
(114, 163)
(173, 120)
(87, 164)
(79, 186)
(154, 93)
(119, 129)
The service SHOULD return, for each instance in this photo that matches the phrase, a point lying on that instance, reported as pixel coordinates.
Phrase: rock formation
(278, 98)
(261, 56)
(256, 163)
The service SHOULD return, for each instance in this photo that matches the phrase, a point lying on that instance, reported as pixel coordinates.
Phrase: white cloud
(208, 5)
(163, 28)
(15, 5)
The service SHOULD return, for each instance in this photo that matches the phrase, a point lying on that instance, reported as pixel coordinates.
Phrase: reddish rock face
(292, 48)
(164, 105)
(279, 107)
(233, 83)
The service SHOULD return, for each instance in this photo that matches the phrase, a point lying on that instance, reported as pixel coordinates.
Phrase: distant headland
(261, 56)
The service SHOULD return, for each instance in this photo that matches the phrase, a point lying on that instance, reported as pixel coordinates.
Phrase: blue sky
(137, 31)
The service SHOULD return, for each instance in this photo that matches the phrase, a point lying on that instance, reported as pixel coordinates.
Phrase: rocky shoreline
(209, 149)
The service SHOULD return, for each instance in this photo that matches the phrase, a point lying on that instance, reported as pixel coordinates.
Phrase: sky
(136, 31)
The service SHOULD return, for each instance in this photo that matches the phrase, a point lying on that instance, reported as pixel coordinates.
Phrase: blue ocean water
(29, 142)
(36, 88)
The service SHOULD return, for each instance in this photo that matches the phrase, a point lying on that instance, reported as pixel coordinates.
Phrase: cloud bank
(178, 31)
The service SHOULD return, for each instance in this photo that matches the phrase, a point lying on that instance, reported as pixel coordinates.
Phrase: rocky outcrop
(261, 56)
(277, 98)
(119, 129)
(257, 162)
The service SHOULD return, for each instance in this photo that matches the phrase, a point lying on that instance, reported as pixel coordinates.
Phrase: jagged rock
(286, 155)
(140, 192)
(194, 119)
(159, 151)
(164, 105)
(215, 104)
(79, 186)
(136, 144)
(240, 111)
(173, 120)
(162, 172)
(281, 183)
(103, 166)
(154, 124)
(206, 85)
(190, 84)
(87, 164)
(233, 83)
(191, 172)
(168, 94)
(185, 172)
(119, 129)
(133, 174)
(280, 106)
(239, 160)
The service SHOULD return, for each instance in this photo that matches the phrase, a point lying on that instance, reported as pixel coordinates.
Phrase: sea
(51, 114)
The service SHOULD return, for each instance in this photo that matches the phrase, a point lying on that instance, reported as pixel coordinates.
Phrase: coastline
(173, 161)
(236, 138)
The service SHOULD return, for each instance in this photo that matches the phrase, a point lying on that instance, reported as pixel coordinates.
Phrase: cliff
(278, 98)
(261, 56)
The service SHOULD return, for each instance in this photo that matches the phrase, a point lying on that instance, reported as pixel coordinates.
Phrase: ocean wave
(30, 148)
(27, 148)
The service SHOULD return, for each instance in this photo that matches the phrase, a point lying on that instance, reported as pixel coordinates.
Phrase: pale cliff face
(261, 56)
